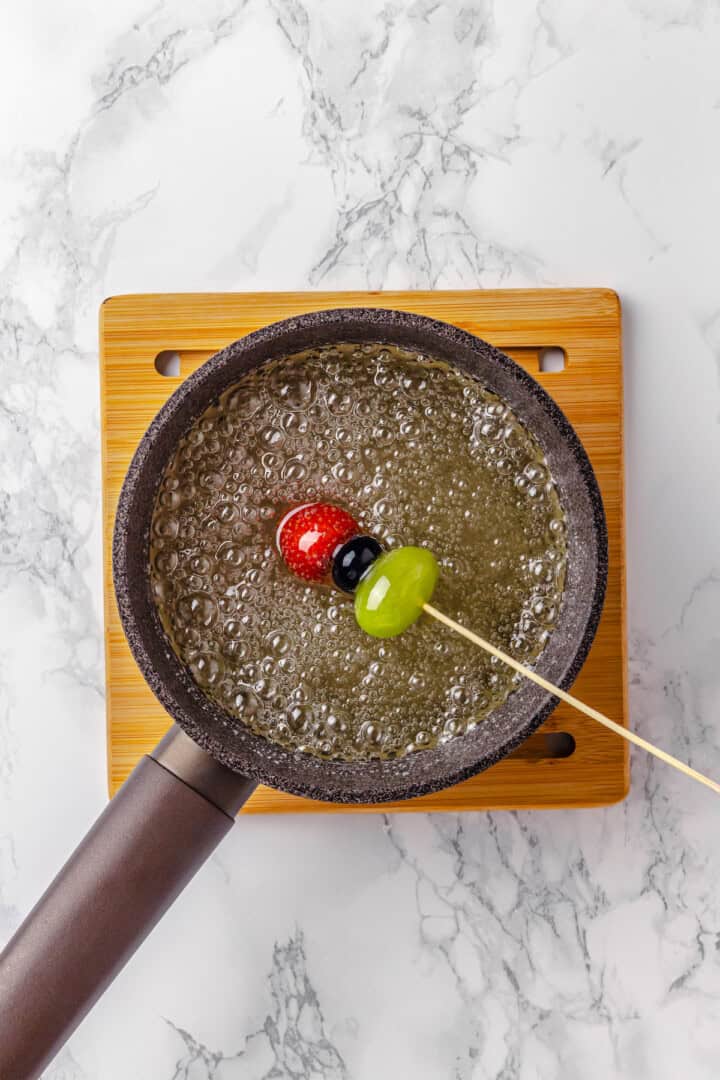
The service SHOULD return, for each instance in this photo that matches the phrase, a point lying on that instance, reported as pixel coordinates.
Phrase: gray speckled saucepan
(180, 800)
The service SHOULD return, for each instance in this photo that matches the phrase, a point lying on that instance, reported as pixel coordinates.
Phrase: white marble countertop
(241, 144)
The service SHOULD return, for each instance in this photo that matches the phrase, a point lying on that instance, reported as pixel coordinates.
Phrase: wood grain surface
(584, 322)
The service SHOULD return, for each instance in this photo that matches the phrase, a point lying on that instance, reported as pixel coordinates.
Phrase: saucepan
(182, 798)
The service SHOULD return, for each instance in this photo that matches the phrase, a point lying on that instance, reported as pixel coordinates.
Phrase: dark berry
(353, 559)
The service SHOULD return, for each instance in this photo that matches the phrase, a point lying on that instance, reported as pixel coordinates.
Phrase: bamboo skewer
(528, 673)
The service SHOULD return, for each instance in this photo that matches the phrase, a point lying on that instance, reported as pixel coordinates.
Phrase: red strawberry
(309, 536)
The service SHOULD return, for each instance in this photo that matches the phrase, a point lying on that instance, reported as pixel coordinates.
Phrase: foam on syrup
(419, 453)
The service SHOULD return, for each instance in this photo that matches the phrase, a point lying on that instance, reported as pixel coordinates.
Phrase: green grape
(391, 595)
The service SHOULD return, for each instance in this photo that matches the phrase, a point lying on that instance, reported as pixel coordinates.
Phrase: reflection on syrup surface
(420, 454)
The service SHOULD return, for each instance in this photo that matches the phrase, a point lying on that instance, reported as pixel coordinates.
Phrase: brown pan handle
(167, 818)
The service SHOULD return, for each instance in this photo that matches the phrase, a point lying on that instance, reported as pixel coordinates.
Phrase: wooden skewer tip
(569, 699)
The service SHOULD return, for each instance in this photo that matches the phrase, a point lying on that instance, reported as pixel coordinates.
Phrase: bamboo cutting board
(585, 323)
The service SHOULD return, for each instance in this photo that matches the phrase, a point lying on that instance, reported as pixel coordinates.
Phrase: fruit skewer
(393, 589)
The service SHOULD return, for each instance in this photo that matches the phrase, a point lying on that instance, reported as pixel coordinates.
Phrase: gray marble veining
(258, 145)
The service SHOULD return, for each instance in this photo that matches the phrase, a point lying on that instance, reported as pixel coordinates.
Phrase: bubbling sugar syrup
(419, 453)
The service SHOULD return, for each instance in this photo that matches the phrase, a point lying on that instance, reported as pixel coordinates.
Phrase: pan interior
(420, 453)
(371, 780)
